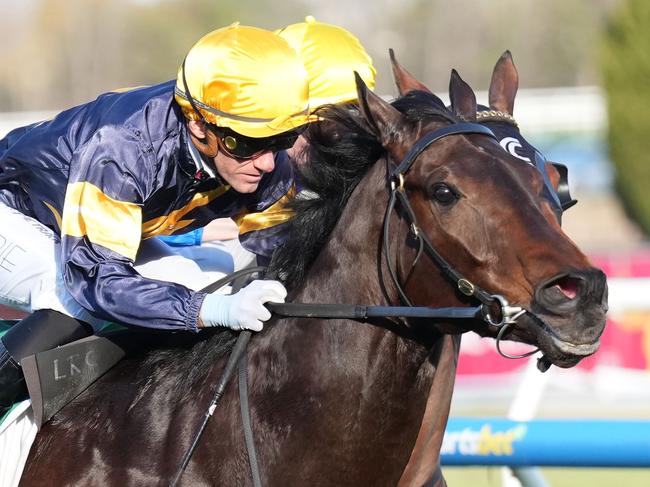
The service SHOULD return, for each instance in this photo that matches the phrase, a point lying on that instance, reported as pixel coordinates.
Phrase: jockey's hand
(243, 310)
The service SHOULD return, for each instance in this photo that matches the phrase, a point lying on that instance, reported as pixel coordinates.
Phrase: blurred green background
(60, 52)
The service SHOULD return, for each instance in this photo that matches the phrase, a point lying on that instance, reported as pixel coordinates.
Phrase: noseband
(505, 315)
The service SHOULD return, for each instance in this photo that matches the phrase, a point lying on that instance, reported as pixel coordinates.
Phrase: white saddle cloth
(17, 433)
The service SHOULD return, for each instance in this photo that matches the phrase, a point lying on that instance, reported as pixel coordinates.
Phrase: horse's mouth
(577, 349)
(566, 354)
(563, 351)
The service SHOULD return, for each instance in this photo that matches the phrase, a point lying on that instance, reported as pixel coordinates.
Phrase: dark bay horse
(498, 115)
(340, 402)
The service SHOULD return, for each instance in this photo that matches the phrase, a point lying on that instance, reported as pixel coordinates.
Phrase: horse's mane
(341, 148)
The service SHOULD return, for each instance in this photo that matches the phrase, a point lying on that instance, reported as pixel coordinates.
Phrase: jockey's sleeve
(101, 230)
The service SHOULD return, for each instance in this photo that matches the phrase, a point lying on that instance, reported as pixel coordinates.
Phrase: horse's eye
(443, 194)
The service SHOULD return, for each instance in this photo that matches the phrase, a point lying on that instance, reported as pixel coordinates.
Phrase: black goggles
(240, 146)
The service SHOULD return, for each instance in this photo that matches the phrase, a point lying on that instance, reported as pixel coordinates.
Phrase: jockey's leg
(30, 273)
(42, 330)
(12, 381)
(30, 280)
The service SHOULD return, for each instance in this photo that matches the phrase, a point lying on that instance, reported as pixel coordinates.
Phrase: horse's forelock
(421, 105)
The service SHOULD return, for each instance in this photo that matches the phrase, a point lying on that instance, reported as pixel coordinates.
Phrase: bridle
(506, 315)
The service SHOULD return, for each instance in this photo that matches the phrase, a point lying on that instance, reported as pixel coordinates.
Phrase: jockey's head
(244, 92)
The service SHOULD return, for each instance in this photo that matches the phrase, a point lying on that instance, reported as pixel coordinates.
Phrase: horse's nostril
(568, 286)
(566, 291)
(561, 292)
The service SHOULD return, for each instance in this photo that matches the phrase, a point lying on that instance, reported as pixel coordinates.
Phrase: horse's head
(487, 217)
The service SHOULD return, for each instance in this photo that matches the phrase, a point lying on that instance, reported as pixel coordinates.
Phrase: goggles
(242, 147)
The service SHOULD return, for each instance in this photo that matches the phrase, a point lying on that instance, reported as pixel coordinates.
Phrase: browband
(430, 138)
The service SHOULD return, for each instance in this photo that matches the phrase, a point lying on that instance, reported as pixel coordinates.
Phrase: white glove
(243, 310)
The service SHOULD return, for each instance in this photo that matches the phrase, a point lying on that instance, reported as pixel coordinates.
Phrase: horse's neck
(359, 385)
(347, 271)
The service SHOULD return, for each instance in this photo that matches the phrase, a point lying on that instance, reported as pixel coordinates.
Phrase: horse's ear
(462, 97)
(381, 116)
(404, 80)
(504, 84)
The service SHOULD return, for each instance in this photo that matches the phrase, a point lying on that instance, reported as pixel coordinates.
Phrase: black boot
(12, 381)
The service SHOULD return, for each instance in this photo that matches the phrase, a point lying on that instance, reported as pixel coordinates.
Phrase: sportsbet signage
(481, 440)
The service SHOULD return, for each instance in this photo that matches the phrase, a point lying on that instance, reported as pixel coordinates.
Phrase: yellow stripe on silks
(128, 88)
(166, 228)
(55, 212)
(274, 215)
(168, 224)
(88, 212)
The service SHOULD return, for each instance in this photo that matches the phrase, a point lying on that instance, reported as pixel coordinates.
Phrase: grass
(555, 477)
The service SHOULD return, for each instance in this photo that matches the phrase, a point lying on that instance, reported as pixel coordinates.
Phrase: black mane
(341, 148)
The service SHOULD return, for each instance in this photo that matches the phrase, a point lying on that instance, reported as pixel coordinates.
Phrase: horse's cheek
(469, 229)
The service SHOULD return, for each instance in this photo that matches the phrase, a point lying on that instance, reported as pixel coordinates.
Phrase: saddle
(55, 377)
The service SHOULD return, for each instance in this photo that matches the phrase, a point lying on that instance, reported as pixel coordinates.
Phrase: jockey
(82, 194)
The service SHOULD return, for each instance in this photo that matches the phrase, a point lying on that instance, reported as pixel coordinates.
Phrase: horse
(340, 401)
(423, 467)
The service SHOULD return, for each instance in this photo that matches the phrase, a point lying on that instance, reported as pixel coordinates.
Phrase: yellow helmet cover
(247, 79)
(331, 54)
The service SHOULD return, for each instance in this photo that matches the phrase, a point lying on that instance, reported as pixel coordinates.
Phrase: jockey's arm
(101, 229)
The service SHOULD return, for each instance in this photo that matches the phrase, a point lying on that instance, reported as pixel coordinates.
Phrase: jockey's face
(242, 161)
(244, 175)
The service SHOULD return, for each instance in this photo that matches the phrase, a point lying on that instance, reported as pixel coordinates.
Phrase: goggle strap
(240, 118)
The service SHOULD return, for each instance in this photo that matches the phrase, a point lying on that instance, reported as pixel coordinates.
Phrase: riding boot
(12, 381)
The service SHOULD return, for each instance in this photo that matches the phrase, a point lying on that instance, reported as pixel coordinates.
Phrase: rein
(233, 360)
(305, 310)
